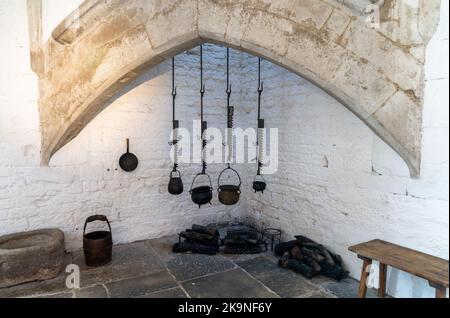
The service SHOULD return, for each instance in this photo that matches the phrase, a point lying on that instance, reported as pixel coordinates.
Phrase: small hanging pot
(128, 162)
(202, 194)
(259, 184)
(175, 186)
(228, 193)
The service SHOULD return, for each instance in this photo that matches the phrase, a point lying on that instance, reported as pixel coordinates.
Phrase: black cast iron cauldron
(175, 186)
(202, 194)
(97, 245)
(229, 194)
(259, 184)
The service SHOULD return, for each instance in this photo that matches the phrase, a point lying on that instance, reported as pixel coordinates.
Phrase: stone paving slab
(163, 247)
(130, 260)
(168, 293)
(91, 292)
(284, 282)
(320, 294)
(231, 284)
(58, 295)
(188, 266)
(140, 286)
(348, 288)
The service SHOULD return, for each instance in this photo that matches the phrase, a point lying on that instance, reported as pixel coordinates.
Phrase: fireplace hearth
(236, 239)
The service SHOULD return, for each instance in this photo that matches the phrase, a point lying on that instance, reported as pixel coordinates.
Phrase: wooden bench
(433, 269)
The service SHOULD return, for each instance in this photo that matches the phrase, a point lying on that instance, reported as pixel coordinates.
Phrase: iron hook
(229, 89)
(261, 87)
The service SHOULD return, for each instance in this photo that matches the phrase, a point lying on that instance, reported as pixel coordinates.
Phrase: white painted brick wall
(337, 182)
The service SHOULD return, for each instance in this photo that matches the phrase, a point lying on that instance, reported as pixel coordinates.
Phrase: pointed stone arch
(107, 43)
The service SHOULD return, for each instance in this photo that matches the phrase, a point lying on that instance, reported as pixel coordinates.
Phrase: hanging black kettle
(201, 195)
(175, 186)
(259, 184)
(229, 193)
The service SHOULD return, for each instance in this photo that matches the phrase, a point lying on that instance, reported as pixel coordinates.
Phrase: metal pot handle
(259, 175)
(94, 218)
(195, 178)
(229, 168)
(179, 174)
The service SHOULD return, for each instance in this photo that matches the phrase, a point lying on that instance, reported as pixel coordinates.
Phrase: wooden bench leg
(382, 281)
(363, 281)
(441, 292)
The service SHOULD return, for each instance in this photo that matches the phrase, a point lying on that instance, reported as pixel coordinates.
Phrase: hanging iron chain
(260, 133)
(175, 123)
(230, 114)
(204, 124)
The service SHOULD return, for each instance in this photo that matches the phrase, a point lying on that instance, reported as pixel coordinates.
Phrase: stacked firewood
(309, 258)
(242, 240)
(198, 239)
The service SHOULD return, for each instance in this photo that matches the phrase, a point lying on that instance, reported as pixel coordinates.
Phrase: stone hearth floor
(149, 269)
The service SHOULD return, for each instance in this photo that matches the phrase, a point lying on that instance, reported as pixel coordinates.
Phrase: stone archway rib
(105, 44)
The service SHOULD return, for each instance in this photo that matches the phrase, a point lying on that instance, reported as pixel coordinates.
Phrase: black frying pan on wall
(128, 162)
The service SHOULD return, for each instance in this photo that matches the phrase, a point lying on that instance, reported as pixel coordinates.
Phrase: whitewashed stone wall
(84, 177)
(332, 186)
(341, 185)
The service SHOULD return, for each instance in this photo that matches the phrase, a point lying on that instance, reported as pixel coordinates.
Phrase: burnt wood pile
(309, 258)
(243, 240)
(198, 239)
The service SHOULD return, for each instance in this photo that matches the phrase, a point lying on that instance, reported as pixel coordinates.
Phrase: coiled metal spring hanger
(175, 186)
(202, 194)
(229, 193)
(259, 184)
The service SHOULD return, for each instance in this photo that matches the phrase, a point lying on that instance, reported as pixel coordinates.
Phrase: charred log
(283, 247)
(313, 255)
(199, 237)
(296, 253)
(298, 266)
(309, 258)
(205, 230)
(311, 262)
(193, 247)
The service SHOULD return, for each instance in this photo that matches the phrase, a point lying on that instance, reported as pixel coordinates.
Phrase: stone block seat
(31, 256)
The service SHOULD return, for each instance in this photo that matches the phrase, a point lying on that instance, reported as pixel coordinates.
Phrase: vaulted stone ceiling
(374, 69)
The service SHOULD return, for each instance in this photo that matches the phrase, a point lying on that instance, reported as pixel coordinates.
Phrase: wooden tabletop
(431, 268)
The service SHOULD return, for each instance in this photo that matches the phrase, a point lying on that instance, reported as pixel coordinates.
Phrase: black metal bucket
(97, 245)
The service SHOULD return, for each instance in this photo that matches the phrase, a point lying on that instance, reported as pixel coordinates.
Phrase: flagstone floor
(149, 269)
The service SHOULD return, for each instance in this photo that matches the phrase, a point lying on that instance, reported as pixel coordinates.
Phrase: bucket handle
(229, 168)
(195, 178)
(94, 218)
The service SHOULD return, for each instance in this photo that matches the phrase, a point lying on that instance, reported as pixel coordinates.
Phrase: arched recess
(107, 43)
